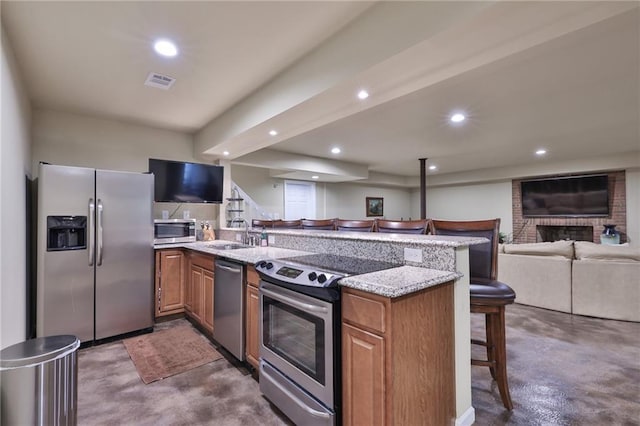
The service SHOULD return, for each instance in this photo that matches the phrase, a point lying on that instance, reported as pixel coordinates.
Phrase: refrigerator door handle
(100, 209)
(92, 230)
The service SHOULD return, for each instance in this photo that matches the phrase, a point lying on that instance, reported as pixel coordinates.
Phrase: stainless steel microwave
(167, 231)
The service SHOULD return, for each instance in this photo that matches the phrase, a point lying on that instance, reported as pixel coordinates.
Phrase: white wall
(633, 206)
(80, 140)
(265, 190)
(348, 201)
(468, 202)
(14, 165)
(343, 200)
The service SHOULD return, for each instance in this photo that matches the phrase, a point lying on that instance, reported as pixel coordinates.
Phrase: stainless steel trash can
(38, 382)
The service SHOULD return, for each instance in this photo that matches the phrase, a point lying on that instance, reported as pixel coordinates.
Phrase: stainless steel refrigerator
(94, 252)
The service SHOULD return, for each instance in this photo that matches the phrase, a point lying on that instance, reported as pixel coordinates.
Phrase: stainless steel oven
(167, 231)
(300, 350)
(297, 338)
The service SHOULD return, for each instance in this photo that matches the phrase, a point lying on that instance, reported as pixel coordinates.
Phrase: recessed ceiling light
(165, 47)
(541, 152)
(432, 167)
(315, 177)
(225, 153)
(336, 150)
(457, 118)
(273, 132)
(363, 94)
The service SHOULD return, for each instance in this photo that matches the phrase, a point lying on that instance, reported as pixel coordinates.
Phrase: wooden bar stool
(287, 224)
(355, 225)
(324, 224)
(490, 299)
(488, 296)
(402, 226)
(259, 223)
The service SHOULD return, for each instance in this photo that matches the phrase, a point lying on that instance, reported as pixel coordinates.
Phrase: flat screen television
(182, 182)
(586, 195)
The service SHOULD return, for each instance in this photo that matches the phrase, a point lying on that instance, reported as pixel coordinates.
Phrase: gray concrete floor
(563, 370)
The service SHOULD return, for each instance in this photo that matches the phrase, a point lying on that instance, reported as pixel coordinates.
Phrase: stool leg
(490, 343)
(500, 345)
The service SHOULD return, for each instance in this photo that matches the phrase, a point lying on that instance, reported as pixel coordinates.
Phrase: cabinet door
(170, 282)
(188, 292)
(207, 303)
(363, 377)
(195, 292)
(252, 334)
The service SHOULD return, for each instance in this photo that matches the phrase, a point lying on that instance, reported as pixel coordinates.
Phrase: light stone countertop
(247, 255)
(398, 281)
(393, 282)
(426, 240)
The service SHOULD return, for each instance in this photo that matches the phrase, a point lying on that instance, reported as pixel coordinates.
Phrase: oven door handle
(290, 301)
(301, 404)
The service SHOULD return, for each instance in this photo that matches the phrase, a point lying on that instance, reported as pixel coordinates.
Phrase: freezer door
(124, 252)
(65, 277)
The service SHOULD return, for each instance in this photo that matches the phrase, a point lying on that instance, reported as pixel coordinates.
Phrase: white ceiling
(564, 76)
(93, 57)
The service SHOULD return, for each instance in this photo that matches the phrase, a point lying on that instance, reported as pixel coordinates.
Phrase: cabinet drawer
(252, 276)
(203, 261)
(365, 310)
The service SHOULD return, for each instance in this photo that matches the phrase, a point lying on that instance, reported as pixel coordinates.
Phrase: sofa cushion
(543, 281)
(557, 248)
(588, 250)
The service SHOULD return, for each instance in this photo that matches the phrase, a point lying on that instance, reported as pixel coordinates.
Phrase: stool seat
(491, 292)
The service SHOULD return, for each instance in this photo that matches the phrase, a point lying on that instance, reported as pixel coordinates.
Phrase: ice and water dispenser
(66, 233)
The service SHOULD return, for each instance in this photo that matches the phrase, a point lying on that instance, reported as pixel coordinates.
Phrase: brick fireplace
(537, 229)
(550, 233)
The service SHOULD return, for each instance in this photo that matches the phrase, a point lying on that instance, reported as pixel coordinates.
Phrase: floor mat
(168, 352)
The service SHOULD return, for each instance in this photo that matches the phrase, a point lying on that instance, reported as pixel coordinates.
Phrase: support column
(423, 188)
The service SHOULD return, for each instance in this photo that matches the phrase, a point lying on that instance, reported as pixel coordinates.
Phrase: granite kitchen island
(435, 279)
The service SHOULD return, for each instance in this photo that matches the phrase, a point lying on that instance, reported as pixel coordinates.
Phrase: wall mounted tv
(586, 195)
(181, 182)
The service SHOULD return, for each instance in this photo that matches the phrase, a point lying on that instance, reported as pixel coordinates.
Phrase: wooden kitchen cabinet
(199, 294)
(194, 305)
(252, 313)
(207, 294)
(169, 282)
(398, 358)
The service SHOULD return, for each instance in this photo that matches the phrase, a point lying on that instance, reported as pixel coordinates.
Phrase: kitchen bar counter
(393, 282)
(398, 281)
(427, 261)
(247, 255)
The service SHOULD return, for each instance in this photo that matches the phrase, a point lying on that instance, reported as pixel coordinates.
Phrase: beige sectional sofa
(574, 277)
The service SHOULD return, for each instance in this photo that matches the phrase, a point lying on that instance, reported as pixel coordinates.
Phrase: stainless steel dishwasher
(228, 306)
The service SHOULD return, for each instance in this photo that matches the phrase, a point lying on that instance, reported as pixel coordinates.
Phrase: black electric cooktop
(344, 265)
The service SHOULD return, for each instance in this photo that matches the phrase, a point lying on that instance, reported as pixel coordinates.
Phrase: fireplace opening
(550, 233)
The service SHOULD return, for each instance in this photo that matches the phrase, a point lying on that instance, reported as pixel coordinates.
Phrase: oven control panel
(297, 274)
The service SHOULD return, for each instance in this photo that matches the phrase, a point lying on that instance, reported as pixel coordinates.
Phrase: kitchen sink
(228, 246)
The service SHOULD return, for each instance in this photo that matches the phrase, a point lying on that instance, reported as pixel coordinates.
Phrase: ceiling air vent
(160, 81)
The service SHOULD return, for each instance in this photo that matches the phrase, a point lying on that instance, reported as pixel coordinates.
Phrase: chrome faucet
(245, 238)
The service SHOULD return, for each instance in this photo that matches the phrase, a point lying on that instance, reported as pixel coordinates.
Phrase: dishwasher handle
(229, 268)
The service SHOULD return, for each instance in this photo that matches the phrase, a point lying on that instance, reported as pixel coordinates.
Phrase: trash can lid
(37, 351)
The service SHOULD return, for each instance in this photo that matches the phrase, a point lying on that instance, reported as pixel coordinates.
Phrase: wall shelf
(234, 210)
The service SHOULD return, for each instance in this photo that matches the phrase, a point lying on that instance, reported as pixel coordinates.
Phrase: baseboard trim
(467, 418)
